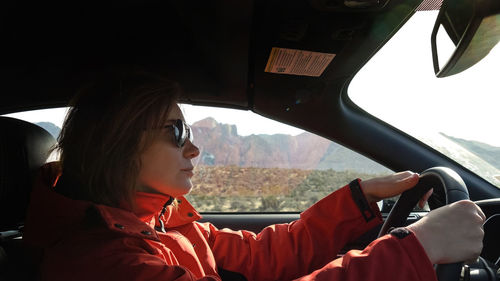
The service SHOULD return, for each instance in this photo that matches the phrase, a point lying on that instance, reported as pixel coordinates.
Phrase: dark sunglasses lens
(180, 132)
(177, 134)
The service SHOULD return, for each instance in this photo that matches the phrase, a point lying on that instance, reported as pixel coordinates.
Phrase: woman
(113, 208)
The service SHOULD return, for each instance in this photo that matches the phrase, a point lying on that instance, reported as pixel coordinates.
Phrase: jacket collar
(149, 206)
(142, 221)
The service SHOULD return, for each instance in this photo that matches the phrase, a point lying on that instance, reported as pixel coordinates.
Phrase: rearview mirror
(464, 33)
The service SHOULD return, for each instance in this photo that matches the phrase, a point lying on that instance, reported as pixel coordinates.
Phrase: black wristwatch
(360, 200)
(399, 232)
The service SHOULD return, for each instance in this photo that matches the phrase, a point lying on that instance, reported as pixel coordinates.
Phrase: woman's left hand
(376, 189)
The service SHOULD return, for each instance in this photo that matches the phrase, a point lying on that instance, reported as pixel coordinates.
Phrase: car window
(456, 115)
(50, 119)
(249, 163)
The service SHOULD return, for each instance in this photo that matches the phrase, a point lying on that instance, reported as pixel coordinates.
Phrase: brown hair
(111, 121)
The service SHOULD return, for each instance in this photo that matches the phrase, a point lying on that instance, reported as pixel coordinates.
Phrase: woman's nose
(190, 150)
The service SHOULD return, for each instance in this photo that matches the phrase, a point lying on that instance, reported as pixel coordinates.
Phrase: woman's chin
(183, 190)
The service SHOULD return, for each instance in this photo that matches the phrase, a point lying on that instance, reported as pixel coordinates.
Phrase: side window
(49, 119)
(249, 163)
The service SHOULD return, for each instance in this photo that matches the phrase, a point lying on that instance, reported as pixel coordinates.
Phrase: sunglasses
(182, 132)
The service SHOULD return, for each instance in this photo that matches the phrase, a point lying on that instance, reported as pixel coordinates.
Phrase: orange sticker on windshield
(297, 62)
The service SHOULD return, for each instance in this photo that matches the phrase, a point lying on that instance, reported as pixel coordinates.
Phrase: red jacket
(86, 241)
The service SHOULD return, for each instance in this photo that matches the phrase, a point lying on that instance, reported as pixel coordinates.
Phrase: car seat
(24, 148)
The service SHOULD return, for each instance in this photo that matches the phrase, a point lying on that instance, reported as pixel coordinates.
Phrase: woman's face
(165, 167)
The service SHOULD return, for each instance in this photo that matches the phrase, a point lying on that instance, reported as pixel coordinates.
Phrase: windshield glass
(457, 115)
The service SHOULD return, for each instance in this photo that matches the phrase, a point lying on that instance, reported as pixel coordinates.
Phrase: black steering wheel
(448, 188)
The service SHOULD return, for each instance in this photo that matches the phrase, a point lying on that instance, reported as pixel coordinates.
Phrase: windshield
(457, 115)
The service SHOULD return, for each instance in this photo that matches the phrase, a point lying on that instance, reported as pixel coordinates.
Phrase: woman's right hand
(452, 233)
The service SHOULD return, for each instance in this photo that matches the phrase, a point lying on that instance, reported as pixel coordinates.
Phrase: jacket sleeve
(387, 258)
(289, 251)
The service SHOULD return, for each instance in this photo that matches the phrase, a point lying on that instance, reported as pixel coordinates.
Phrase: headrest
(24, 148)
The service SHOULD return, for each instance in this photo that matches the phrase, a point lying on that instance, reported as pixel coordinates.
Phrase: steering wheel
(448, 188)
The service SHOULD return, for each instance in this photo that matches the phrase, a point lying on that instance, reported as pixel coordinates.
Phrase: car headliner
(217, 51)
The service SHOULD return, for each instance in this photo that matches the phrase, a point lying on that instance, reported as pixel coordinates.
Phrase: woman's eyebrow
(175, 120)
(170, 121)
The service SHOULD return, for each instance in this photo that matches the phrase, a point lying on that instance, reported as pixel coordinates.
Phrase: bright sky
(398, 85)
(53, 115)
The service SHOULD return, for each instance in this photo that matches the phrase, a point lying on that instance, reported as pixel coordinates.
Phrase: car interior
(224, 54)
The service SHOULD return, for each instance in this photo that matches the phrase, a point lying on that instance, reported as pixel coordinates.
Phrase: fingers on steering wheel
(481, 214)
(473, 207)
(424, 199)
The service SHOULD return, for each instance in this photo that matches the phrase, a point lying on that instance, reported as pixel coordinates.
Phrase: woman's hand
(452, 233)
(380, 188)
(448, 234)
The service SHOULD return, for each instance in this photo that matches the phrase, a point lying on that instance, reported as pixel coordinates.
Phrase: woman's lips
(188, 171)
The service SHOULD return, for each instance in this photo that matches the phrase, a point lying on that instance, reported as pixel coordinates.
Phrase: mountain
(51, 128)
(488, 153)
(220, 144)
(462, 151)
(340, 158)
